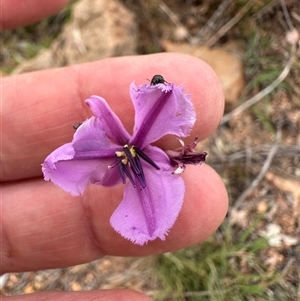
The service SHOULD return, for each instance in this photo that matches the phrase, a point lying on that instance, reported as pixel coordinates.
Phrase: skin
(44, 227)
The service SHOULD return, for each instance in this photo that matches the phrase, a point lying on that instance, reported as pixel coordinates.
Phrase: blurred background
(253, 45)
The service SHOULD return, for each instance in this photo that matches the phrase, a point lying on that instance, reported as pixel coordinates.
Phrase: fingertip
(17, 13)
(205, 205)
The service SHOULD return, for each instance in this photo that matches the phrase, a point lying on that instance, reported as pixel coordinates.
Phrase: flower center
(129, 165)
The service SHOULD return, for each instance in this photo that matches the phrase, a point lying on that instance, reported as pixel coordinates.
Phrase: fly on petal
(157, 79)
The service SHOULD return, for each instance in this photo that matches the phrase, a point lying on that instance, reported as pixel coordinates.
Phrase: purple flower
(103, 152)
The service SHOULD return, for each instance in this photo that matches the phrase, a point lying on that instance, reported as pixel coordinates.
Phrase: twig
(265, 9)
(230, 24)
(173, 17)
(256, 98)
(260, 176)
(201, 294)
(263, 170)
(296, 16)
(286, 15)
(211, 21)
(289, 264)
(256, 153)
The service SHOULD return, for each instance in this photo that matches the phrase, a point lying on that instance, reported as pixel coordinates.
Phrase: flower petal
(111, 123)
(147, 214)
(160, 110)
(74, 175)
(75, 165)
(90, 141)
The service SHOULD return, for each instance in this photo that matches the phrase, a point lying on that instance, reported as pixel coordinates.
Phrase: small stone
(75, 286)
(293, 37)
(180, 33)
(98, 29)
(262, 207)
(28, 289)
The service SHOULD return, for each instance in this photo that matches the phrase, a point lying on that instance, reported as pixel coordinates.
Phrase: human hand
(44, 227)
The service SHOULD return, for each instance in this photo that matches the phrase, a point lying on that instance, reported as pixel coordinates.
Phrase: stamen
(131, 160)
(146, 158)
(128, 161)
(118, 160)
(141, 176)
(128, 174)
(120, 168)
(119, 154)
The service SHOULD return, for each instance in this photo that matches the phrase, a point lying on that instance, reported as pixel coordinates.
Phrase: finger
(99, 295)
(44, 227)
(39, 108)
(16, 13)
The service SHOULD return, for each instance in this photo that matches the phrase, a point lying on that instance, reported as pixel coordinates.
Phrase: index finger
(39, 108)
(44, 227)
(15, 13)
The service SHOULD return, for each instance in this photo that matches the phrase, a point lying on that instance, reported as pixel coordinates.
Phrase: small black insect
(157, 79)
(77, 125)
